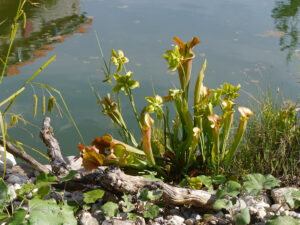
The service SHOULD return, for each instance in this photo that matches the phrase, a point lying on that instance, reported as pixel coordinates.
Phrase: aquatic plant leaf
(92, 196)
(243, 218)
(154, 195)
(42, 191)
(131, 216)
(101, 144)
(110, 209)
(280, 220)
(255, 183)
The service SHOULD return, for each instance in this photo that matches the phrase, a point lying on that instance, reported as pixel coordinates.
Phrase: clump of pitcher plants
(199, 138)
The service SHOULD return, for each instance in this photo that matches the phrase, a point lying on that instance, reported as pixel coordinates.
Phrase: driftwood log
(113, 179)
(24, 156)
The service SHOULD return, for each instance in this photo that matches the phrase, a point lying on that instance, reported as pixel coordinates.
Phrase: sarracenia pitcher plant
(199, 137)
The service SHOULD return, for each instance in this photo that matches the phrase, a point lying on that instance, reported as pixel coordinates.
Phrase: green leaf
(243, 218)
(255, 183)
(219, 179)
(25, 190)
(3, 216)
(92, 196)
(231, 188)
(143, 195)
(47, 212)
(296, 194)
(151, 211)
(111, 209)
(131, 216)
(3, 194)
(197, 182)
(18, 217)
(70, 176)
(154, 195)
(128, 206)
(42, 192)
(45, 178)
(222, 204)
(289, 199)
(280, 220)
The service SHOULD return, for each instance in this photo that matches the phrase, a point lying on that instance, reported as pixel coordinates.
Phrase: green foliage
(243, 218)
(151, 211)
(255, 183)
(18, 217)
(280, 220)
(110, 209)
(293, 199)
(197, 182)
(92, 196)
(231, 188)
(3, 194)
(49, 213)
(222, 204)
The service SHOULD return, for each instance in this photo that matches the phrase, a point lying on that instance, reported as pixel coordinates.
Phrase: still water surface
(247, 42)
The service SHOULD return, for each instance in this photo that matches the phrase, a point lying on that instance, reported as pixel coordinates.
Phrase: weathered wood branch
(24, 156)
(115, 180)
(58, 164)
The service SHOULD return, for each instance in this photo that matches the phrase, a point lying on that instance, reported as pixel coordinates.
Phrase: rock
(23, 169)
(17, 179)
(227, 216)
(118, 222)
(196, 216)
(140, 221)
(276, 208)
(175, 212)
(279, 193)
(175, 220)
(10, 159)
(190, 221)
(240, 204)
(219, 215)
(185, 212)
(257, 205)
(87, 219)
(159, 219)
(74, 164)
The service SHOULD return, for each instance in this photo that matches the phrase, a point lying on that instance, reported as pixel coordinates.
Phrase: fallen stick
(115, 180)
(58, 164)
(24, 156)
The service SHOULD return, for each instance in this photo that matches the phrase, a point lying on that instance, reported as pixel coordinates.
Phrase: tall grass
(272, 140)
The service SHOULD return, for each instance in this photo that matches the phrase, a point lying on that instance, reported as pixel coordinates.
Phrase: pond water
(251, 42)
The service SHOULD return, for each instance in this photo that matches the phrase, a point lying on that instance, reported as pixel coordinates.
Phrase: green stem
(133, 107)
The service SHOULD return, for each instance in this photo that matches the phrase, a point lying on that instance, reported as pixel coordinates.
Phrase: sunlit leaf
(92, 196)
(110, 209)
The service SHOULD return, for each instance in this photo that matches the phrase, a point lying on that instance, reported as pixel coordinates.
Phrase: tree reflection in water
(50, 23)
(286, 18)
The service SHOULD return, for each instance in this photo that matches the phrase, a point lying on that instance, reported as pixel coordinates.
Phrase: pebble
(276, 208)
(176, 220)
(219, 215)
(87, 219)
(196, 216)
(17, 178)
(10, 159)
(227, 216)
(190, 221)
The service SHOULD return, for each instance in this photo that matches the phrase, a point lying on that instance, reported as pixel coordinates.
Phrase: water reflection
(286, 17)
(48, 24)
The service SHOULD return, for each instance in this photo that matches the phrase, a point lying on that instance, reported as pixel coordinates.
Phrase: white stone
(240, 204)
(276, 208)
(196, 216)
(10, 159)
(11, 193)
(257, 205)
(87, 219)
(176, 220)
(228, 216)
(279, 193)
